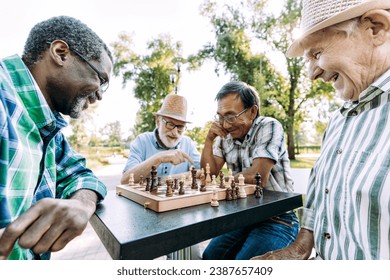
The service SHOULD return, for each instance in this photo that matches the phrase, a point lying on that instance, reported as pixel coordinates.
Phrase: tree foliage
(153, 74)
(282, 96)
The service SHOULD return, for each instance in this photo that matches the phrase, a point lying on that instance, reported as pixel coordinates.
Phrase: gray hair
(76, 34)
(247, 93)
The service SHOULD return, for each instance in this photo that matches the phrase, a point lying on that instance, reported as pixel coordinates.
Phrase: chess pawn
(131, 179)
(241, 186)
(213, 181)
(181, 188)
(214, 200)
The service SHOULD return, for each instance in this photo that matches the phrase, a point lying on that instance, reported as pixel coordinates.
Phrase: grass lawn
(304, 161)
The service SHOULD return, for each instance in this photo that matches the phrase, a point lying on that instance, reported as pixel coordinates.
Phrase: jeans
(248, 242)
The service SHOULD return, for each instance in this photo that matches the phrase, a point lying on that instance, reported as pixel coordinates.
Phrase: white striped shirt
(348, 198)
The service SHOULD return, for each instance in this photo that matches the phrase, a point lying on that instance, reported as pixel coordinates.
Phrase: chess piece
(241, 186)
(214, 200)
(141, 181)
(153, 179)
(181, 188)
(233, 188)
(222, 180)
(202, 182)
(175, 184)
(131, 179)
(147, 188)
(159, 181)
(208, 177)
(229, 193)
(258, 188)
(169, 191)
(230, 175)
(213, 181)
(194, 184)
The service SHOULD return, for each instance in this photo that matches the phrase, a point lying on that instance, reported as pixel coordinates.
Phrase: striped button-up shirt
(36, 161)
(348, 198)
(265, 139)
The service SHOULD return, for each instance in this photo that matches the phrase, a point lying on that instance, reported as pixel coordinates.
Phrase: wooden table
(129, 231)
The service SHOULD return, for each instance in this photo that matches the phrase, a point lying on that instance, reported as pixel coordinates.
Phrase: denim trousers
(248, 242)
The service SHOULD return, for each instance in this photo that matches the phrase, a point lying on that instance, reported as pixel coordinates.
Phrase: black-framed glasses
(103, 82)
(228, 119)
(170, 125)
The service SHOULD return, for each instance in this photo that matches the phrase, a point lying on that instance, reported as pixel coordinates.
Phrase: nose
(313, 70)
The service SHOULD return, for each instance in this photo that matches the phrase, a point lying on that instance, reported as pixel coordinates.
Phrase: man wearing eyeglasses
(47, 194)
(249, 143)
(166, 147)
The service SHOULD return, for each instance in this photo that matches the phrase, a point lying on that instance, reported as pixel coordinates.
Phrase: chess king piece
(258, 187)
(241, 186)
(153, 179)
(214, 199)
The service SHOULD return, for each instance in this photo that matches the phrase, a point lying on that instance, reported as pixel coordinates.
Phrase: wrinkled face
(170, 137)
(231, 105)
(78, 86)
(339, 58)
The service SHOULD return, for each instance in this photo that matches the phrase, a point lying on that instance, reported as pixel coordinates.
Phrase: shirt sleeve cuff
(306, 218)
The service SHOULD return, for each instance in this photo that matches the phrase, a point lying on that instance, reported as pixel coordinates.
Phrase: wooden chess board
(159, 202)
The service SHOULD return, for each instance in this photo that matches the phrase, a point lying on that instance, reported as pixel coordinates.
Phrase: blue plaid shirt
(36, 161)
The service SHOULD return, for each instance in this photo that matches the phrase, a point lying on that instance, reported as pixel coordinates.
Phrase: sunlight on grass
(304, 161)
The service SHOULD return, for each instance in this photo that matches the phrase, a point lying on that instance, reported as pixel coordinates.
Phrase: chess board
(159, 202)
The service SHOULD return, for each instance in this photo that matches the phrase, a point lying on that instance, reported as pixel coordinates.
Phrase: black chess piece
(153, 179)
(181, 189)
(258, 188)
(222, 180)
(147, 188)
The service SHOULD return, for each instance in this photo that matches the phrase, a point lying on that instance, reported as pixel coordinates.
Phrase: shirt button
(165, 172)
(327, 235)
(339, 151)
(326, 190)
(166, 167)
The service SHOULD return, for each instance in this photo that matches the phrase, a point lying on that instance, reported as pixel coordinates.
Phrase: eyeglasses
(228, 119)
(103, 82)
(171, 125)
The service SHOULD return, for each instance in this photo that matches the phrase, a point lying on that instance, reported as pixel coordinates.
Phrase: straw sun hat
(319, 14)
(175, 107)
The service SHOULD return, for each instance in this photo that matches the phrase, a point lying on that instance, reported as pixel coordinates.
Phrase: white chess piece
(131, 179)
(208, 178)
(214, 200)
(241, 186)
(213, 181)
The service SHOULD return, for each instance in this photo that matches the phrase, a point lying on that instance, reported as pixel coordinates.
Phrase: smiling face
(169, 137)
(77, 86)
(342, 58)
(231, 105)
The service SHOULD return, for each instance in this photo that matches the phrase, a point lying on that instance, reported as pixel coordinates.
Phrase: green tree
(154, 74)
(198, 134)
(113, 131)
(282, 96)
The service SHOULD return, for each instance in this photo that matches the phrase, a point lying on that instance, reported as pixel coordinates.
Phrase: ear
(59, 51)
(254, 111)
(378, 22)
(157, 121)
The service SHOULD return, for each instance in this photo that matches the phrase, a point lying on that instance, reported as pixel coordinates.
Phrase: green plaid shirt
(36, 161)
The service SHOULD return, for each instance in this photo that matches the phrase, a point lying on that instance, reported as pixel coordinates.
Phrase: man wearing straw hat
(347, 210)
(166, 147)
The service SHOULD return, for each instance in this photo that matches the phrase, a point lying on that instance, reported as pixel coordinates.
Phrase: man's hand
(216, 129)
(48, 225)
(174, 156)
(300, 249)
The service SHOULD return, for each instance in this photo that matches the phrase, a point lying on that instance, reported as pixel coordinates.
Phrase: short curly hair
(76, 34)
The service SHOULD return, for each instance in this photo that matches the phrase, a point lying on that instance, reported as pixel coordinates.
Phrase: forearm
(207, 157)
(88, 198)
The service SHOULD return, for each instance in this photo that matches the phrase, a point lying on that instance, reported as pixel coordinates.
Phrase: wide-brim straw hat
(319, 14)
(174, 106)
